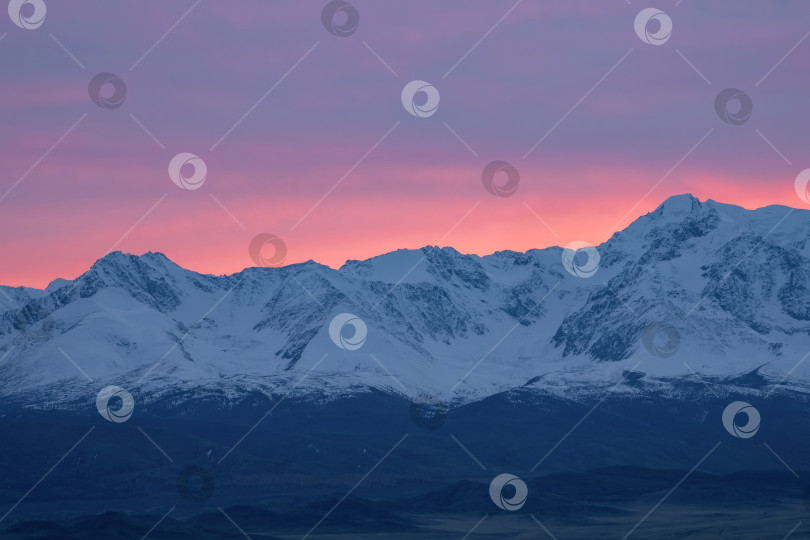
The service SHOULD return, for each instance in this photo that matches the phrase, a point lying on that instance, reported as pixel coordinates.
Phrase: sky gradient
(304, 135)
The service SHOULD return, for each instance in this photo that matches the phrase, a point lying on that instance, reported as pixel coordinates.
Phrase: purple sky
(615, 114)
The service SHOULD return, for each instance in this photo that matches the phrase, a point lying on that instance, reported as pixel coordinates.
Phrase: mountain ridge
(728, 287)
(664, 206)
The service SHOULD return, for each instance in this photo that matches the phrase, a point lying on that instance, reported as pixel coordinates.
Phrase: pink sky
(602, 154)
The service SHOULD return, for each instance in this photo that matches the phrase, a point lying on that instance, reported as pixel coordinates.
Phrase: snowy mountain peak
(677, 207)
(720, 288)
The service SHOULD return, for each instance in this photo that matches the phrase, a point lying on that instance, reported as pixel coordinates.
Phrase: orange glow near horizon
(202, 237)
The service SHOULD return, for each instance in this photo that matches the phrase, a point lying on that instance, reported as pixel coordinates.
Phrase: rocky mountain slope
(698, 292)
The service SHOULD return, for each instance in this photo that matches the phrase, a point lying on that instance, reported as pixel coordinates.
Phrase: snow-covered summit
(691, 288)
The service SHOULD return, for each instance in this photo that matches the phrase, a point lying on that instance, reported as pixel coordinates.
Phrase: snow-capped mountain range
(694, 291)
